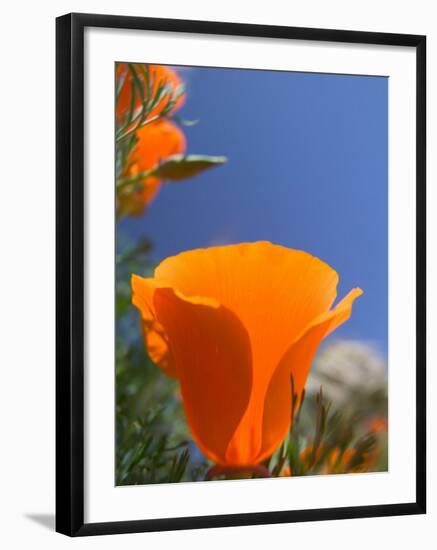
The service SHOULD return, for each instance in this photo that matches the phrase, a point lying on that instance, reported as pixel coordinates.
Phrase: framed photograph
(240, 274)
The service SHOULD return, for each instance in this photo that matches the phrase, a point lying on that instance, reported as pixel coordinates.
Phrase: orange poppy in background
(336, 461)
(158, 74)
(233, 324)
(341, 462)
(156, 141)
(378, 425)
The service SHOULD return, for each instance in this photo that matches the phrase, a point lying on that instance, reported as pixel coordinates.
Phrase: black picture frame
(70, 273)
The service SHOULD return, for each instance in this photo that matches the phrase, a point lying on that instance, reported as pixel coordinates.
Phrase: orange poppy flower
(377, 425)
(158, 74)
(232, 324)
(156, 141)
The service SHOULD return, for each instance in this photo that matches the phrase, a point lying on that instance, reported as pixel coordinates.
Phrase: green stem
(128, 133)
(121, 183)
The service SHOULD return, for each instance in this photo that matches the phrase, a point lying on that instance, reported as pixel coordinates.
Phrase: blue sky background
(307, 168)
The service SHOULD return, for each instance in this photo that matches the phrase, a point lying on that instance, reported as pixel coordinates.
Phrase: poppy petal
(156, 141)
(296, 362)
(154, 335)
(212, 357)
(275, 291)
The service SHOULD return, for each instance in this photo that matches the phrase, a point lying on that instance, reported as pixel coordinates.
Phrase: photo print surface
(251, 274)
